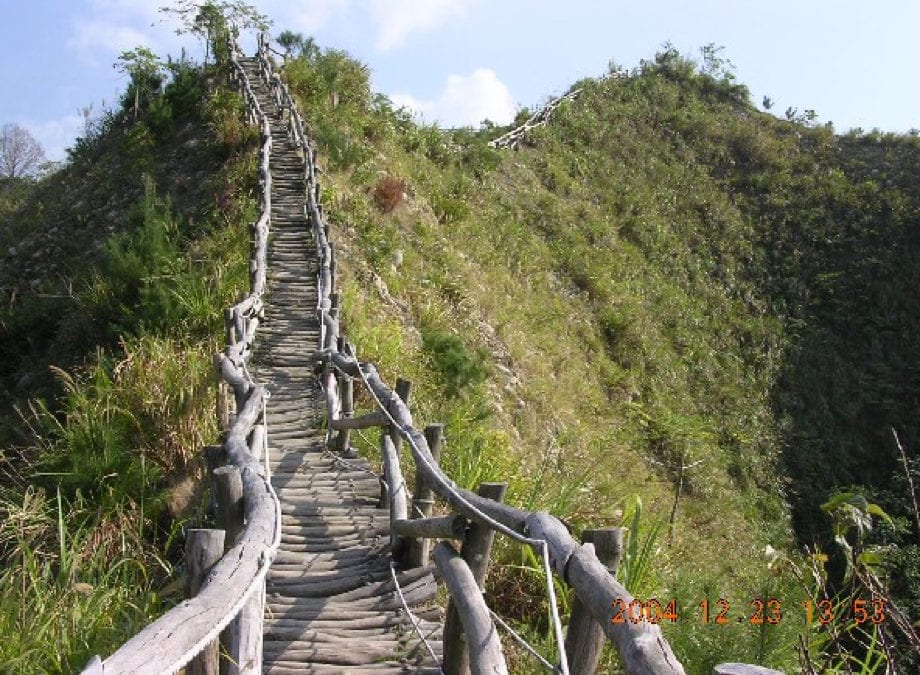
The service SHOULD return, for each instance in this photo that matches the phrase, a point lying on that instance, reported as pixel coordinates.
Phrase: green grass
(97, 479)
(663, 276)
(658, 277)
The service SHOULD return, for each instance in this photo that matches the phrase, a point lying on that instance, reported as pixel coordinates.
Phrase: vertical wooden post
(404, 391)
(470, 609)
(332, 264)
(257, 441)
(347, 394)
(214, 456)
(584, 640)
(242, 638)
(229, 329)
(423, 499)
(399, 499)
(475, 551)
(332, 334)
(229, 514)
(223, 404)
(203, 548)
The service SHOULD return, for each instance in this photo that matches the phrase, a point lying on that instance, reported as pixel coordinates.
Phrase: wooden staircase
(331, 603)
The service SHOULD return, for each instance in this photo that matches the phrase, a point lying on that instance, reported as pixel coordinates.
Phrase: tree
(305, 46)
(213, 19)
(20, 154)
(146, 71)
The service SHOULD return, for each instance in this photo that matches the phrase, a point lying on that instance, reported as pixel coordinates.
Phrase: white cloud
(397, 19)
(57, 135)
(91, 34)
(465, 100)
(309, 16)
(111, 27)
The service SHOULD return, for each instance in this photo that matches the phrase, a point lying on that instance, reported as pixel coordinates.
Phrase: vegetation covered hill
(667, 310)
(114, 272)
(667, 296)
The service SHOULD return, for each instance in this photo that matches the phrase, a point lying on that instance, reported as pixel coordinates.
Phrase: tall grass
(72, 584)
(89, 519)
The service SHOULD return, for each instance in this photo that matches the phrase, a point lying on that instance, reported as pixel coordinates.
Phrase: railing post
(229, 514)
(423, 499)
(470, 609)
(332, 265)
(404, 391)
(203, 548)
(584, 639)
(477, 546)
(347, 394)
(242, 638)
(223, 404)
(214, 456)
(396, 487)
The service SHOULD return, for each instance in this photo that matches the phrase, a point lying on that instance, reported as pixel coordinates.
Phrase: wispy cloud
(466, 100)
(56, 135)
(114, 26)
(92, 34)
(308, 16)
(397, 19)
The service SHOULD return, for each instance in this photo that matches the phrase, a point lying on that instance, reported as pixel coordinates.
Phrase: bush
(388, 193)
(460, 368)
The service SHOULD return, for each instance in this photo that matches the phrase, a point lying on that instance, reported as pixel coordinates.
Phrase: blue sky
(459, 61)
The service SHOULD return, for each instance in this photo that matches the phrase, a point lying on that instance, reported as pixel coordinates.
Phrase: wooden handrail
(171, 641)
(234, 587)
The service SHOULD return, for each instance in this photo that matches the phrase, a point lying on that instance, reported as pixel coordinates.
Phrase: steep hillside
(666, 310)
(114, 272)
(665, 294)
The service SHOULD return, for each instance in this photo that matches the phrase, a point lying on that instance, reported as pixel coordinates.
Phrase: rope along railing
(641, 645)
(229, 603)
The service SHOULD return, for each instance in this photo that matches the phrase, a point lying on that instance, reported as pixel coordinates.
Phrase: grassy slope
(660, 276)
(110, 333)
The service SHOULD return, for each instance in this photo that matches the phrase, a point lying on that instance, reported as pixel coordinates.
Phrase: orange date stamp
(757, 612)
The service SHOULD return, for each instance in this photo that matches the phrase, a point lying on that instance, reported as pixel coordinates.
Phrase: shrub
(460, 368)
(388, 194)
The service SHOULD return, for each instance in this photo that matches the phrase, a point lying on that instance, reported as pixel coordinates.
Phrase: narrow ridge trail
(331, 605)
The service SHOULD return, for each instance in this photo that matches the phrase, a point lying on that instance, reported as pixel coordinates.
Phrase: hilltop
(666, 309)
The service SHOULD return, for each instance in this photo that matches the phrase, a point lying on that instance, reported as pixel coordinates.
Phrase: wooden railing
(641, 644)
(226, 572)
(229, 598)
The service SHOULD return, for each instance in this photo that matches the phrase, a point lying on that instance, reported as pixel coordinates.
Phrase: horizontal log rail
(512, 139)
(231, 596)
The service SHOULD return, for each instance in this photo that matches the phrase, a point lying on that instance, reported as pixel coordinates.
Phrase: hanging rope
(413, 619)
(540, 544)
(521, 641)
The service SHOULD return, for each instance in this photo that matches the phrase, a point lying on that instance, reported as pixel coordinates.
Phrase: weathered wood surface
(482, 643)
(228, 486)
(419, 549)
(203, 548)
(743, 669)
(476, 549)
(642, 647)
(584, 638)
(330, 603)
